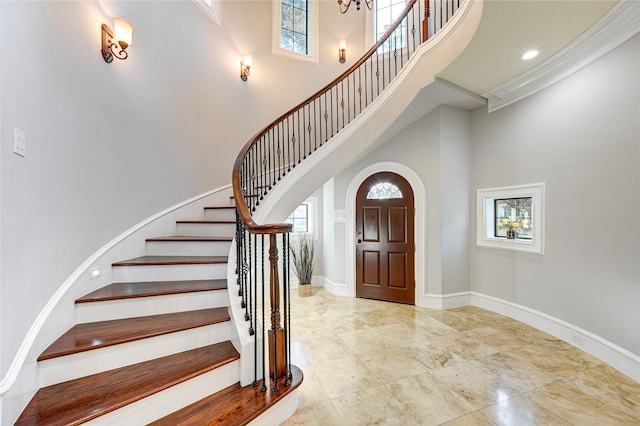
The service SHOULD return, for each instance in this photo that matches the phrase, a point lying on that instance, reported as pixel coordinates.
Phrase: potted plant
(302, 261)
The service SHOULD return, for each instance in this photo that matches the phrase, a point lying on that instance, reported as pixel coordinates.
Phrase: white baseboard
(337, 289)
(612, 354)
(446, 301)
(608, 352)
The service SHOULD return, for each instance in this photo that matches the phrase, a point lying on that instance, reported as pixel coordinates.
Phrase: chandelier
(344, 4)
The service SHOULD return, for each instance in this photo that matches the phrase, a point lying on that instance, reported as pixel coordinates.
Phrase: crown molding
(620, 24)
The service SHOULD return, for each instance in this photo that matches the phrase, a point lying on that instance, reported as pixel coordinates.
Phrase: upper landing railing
(278, 148)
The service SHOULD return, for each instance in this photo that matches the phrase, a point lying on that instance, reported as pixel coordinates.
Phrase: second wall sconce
(245, 67)
(115, 43)
(342, 51)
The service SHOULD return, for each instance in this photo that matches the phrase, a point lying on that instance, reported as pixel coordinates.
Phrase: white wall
(437, 149)
(582, 138)
(111, 144)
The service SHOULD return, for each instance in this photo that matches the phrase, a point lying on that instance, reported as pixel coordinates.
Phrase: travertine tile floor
(368, 362)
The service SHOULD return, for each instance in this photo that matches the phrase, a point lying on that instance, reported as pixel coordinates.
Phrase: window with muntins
(384, 191)
(299, 219)
(294, 26)
(386, 13)
(295, 29)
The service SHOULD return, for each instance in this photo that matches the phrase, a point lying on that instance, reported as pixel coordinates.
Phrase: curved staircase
(155, 345)
(163, 344)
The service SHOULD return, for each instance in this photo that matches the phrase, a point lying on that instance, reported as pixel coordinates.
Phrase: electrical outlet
(578, 339)
(19, 142)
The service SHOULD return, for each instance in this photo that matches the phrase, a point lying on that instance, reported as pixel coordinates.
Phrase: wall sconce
(245, 67)
(116, 44)
(342, 51)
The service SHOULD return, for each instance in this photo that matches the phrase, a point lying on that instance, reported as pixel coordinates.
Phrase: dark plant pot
(511, 234)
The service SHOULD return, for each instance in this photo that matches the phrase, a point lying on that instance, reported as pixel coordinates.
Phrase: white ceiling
(510, 27)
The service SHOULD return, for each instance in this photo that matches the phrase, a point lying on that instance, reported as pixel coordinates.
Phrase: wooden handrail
(276, 149)
(241, 204)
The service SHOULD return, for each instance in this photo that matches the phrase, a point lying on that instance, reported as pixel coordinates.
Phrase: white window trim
(312, 214)
(485, 218)
(212, 12)
(312, 15)
(370, 26)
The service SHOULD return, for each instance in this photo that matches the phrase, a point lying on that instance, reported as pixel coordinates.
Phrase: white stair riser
(169, 272)
(153, 305)
(172, 399)
(69, 367)
(220, 214)
(207, 229)
(280, 412)
(188, 248)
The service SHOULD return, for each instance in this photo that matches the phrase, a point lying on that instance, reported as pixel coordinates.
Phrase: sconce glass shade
(247, 60)
(245, 67)
(123, 32)
(342, 51)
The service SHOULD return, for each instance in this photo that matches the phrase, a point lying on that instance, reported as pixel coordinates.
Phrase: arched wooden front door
(384, 239)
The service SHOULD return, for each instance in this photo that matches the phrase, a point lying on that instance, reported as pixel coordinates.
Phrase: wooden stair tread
(118, 291)
(188, 238)
(89, 397)
(94, 335)
(172, 260)
(232, 406)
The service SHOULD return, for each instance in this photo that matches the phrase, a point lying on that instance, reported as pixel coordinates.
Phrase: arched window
(384, 191)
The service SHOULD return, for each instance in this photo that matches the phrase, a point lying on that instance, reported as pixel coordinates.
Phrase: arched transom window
(384, 191)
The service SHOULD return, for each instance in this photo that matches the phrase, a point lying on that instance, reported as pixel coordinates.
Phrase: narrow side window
(295, 29)
(211, 8)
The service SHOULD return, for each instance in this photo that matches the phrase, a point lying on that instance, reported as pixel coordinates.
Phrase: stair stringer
(414, 93)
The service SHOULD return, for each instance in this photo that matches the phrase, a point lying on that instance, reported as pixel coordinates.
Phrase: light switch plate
(19, 142)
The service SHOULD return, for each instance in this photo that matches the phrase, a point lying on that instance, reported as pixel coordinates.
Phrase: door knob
(359, 240)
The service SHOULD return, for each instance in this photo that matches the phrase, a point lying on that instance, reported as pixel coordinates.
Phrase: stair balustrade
(278, 148)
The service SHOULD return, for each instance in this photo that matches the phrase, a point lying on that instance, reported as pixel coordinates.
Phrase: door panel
(371, 268)
(385, 239)
(398, 270)
(371, 225)
(397, 225)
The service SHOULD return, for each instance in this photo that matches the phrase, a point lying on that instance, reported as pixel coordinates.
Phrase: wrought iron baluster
(264, 381)
(287, 307)
(279, 150)
(288, 142)
(326, 118)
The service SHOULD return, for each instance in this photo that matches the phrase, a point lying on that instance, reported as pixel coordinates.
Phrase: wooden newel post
(425, 21)
(276, 334)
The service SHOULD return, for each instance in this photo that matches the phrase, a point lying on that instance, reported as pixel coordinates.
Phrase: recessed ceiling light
(529, 54)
